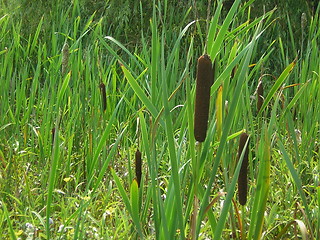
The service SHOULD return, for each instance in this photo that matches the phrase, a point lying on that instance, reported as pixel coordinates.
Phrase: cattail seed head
(242, 179)
(102, 87)
(259, 96)
(65, 58)
(53, 131)
(202, 102)
(303, 21)
(233, 72)
(138, 163)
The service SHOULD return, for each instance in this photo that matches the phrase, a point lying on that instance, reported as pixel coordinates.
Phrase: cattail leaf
(103, 139)
(122, 191)
(132, 204)
(215, 46)
(111, 155)
(36, 35)
(277, 85)
(63, 88)
(134, 198)
(219, 111)
(297, 181)
(202, 102)
(132, 57)
(262, 189)
(140, 93)
(294, 99)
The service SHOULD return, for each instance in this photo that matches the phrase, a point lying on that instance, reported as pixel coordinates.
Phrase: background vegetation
(67, 161)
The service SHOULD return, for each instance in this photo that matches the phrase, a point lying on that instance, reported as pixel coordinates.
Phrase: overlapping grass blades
(149, 104)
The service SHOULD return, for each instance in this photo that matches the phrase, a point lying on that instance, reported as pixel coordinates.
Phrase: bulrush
(259, 96)
(242, 180)
(102, 87)
(53, 131)
(138, 167)
(202, 103)
(65, 58)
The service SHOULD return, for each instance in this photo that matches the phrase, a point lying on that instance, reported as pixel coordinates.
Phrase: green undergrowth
(67, 160)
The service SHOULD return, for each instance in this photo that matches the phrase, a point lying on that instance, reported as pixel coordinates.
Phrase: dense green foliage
(85, 84)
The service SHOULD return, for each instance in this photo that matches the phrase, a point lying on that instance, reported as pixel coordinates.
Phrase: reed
(202, 102)
(242, 179)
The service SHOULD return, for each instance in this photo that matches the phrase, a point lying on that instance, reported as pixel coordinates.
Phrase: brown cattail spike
(259, 96)
(65, 58)
(138, 167)
(242, 180)
(304, 21)
(103, 96)
(53, 132)
(233, 72)
(204, 82)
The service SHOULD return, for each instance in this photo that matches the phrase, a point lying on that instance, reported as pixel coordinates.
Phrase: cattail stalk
(138, 163)
(259, 96)
(242, 179)
(202, 102)
(219, 111)
(65, 58)
(102, 87)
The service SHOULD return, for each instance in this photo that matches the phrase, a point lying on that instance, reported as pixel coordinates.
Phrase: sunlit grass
(76, 104)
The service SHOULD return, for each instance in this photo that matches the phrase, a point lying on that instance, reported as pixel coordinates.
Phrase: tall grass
(105, 100)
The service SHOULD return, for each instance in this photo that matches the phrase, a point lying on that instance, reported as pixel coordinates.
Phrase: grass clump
(69, 164)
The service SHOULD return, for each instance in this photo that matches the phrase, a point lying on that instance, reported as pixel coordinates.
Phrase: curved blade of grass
(294, 100)
(302, 228)
(277, 85)
(140, 93)
(126, 50)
